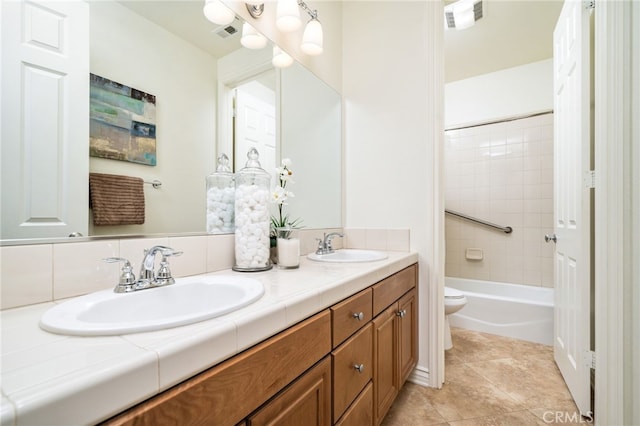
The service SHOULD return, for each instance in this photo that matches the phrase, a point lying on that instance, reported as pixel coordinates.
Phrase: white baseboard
(420, 376)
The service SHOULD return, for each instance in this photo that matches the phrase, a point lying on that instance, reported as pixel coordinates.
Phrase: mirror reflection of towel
(116, 200)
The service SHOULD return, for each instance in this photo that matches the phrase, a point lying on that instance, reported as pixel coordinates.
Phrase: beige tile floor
(490, 380)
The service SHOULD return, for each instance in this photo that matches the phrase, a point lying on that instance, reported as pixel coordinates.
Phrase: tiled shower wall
(502, 173)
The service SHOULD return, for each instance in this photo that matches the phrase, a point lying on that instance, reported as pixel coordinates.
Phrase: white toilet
(454, 300)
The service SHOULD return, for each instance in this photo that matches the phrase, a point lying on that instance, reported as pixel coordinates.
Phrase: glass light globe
(218, 13)
(288, 16)
(252, 39)
(312, 38)
(281, 59)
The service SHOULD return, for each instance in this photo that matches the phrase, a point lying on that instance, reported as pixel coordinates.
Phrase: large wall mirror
(169, 49)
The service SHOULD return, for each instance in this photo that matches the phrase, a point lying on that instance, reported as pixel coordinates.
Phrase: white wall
(512, 92)
(392, 94)
(133, 51)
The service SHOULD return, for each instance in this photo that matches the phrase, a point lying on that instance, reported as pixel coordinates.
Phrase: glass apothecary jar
(252, 216)
(221, 191)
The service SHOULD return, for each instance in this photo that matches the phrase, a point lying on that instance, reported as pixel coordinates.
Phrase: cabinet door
(361, 411)
(45, 118)
(407, 334)
(306, 402)
(385, 364)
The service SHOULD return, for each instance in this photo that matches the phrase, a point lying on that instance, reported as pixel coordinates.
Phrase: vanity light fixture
(251, 38)
(287, 20)
(280, 58)
(312, 38)
(463, 14)
(218, 13)
(287, 16)
(255, 8)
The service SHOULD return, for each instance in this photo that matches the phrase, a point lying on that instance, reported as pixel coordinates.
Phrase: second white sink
(349, 256)
(189, 300)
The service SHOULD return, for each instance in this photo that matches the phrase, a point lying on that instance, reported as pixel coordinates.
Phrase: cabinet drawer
(351, 314)
(352, 369)
(361, 411)
(307, 401)
(230, 391)
(391, 289)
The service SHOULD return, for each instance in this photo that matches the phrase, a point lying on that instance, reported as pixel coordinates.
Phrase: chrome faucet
(325, 245)
(149, 261)
(147, 278)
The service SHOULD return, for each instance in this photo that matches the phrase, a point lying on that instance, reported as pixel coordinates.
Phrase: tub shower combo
(511, 310)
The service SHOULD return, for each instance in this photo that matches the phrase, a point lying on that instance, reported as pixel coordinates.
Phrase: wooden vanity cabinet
(343, 366)
(385, 361)
(307, 401)
(361, 411)
(350, 315)
(395, 338)
(228, 392)
(352, 370)
(407, 334)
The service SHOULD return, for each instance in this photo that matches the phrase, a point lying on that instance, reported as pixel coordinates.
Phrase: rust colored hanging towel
(116, 200)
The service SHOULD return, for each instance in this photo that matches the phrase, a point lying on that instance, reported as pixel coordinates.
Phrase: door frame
(616, 73)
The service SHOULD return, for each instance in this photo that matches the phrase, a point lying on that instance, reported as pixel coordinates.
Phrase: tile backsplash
(502, 173)
(37, 273)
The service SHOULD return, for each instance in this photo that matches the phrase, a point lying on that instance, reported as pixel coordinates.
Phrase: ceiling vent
(462, 14)
(227, 31)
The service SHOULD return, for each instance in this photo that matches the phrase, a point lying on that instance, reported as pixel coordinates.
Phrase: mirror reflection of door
(255, 124)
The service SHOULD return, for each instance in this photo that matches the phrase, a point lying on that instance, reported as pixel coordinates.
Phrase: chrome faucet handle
(127, 277)
(322, 248)
(163, 277)
(149, 260)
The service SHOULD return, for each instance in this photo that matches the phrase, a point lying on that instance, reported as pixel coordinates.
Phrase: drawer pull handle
(359, 367)
(401, 313)
(359, 316)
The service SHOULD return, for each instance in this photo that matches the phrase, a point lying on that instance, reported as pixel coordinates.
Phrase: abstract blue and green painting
(122, 122)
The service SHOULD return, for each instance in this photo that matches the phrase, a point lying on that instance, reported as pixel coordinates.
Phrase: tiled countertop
(50, 379)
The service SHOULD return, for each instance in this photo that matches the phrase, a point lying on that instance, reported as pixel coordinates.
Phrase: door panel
(572, 163)
(255, 127)
(45, 153)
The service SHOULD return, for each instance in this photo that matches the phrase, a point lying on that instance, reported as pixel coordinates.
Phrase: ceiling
(511, 33)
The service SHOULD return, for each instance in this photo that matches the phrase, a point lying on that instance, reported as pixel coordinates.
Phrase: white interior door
(255, 126)
(45, 129)
(572, 200)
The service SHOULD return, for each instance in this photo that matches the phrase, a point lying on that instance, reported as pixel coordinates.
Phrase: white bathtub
(511, 310)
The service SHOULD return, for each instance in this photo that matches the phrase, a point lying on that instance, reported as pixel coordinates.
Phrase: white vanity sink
(349, 256)
(189, 300)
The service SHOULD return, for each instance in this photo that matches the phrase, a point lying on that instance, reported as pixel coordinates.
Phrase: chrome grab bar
(505, 229)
